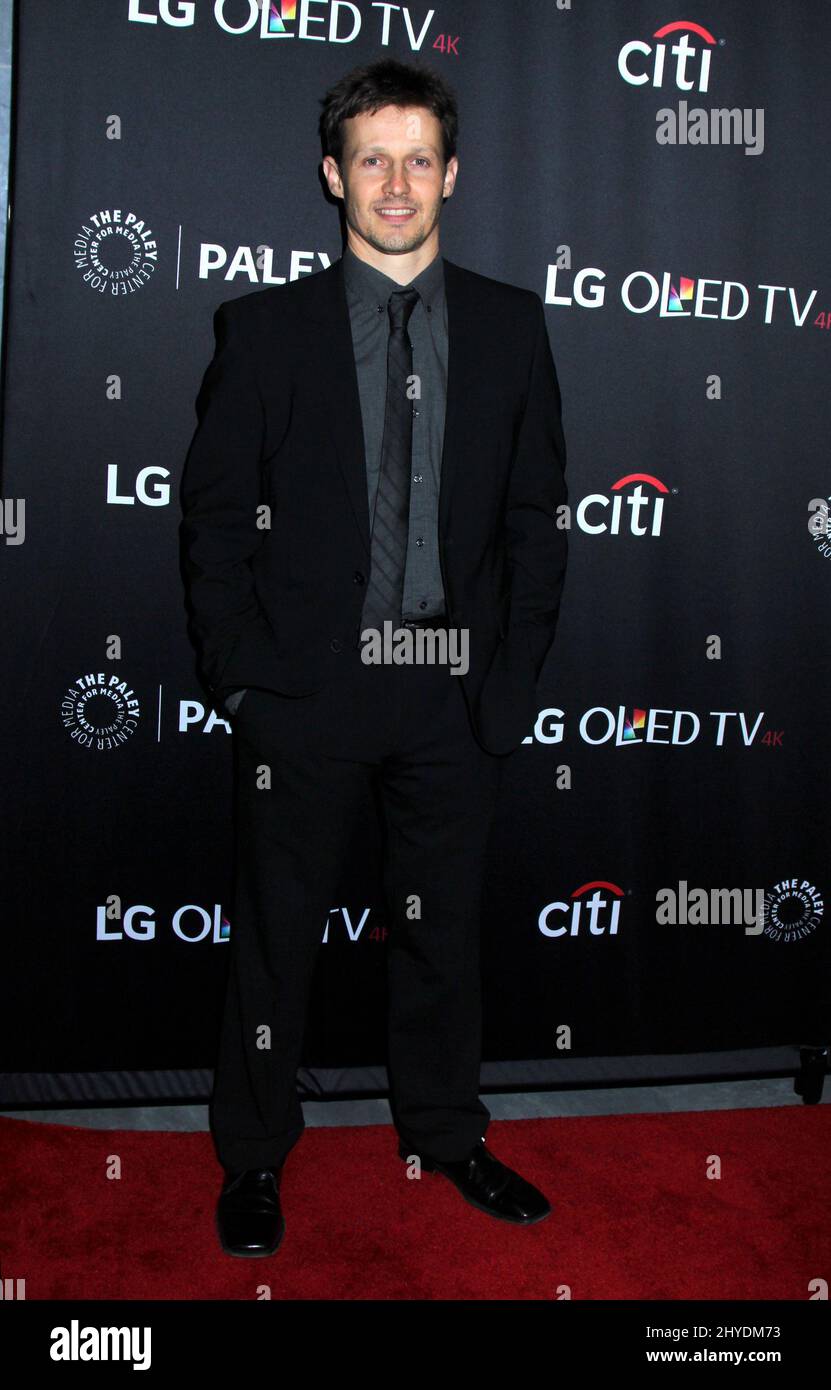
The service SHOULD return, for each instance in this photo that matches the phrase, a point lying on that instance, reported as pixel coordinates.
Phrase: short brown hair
(387, 83)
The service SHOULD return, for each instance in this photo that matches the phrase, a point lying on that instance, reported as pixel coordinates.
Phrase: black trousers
(407, 730)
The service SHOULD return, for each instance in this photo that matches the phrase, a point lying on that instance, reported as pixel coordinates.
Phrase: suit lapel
(464, 357)
(339, 385)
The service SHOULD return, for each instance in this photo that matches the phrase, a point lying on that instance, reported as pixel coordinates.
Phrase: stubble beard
(399, 240)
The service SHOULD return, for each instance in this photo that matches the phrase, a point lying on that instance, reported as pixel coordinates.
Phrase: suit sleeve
(537, 546)
(220, 494)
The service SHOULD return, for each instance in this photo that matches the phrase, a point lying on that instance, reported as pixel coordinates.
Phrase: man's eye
(419, 159)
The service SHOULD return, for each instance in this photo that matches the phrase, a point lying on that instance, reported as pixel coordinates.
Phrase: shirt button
(335, 644)
(415, 412)
(423, 603)
(418, 477)
(419, 540)
(358, 577)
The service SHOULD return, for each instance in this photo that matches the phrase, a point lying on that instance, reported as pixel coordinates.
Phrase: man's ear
(330, 168)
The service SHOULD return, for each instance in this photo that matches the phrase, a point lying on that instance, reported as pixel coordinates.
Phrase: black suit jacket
(280, 439)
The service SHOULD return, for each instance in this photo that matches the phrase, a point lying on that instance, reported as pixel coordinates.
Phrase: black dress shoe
(489, 1185)
(248, 1215)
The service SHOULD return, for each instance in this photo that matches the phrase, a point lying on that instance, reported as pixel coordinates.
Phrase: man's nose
(397, 180)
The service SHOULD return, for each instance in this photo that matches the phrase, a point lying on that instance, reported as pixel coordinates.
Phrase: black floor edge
(50, 1089)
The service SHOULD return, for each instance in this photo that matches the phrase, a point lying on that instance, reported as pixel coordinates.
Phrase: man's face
(392, 160)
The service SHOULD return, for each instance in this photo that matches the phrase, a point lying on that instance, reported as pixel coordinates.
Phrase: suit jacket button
(335, 644)
(358, 577)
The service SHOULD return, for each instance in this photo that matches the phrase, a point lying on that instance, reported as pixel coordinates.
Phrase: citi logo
(594, 908)
(639, 62)
(638, 512)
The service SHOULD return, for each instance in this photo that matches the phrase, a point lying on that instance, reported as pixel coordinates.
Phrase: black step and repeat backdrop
(662, 183)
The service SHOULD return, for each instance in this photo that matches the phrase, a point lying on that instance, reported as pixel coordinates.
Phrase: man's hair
(386, 83)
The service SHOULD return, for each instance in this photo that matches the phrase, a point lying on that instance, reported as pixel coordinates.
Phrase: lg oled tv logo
(323, 21)
(193, 923)
(632, 727)
(671, 295)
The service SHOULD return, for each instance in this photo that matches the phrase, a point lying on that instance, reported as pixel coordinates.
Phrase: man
(379, 453)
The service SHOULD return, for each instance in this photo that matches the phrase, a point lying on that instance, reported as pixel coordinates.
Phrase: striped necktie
(390, 523)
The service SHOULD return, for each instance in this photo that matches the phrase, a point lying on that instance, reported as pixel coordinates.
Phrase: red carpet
(635, 1216)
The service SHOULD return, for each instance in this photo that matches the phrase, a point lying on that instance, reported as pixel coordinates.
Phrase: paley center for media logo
(792, 910)
(115, 251)
(686, 64)
(100, 712)
(819, 525)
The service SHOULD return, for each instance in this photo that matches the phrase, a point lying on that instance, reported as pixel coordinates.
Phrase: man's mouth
(395, 214)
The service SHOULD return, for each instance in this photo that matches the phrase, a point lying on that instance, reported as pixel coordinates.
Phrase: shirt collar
(364, 282)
